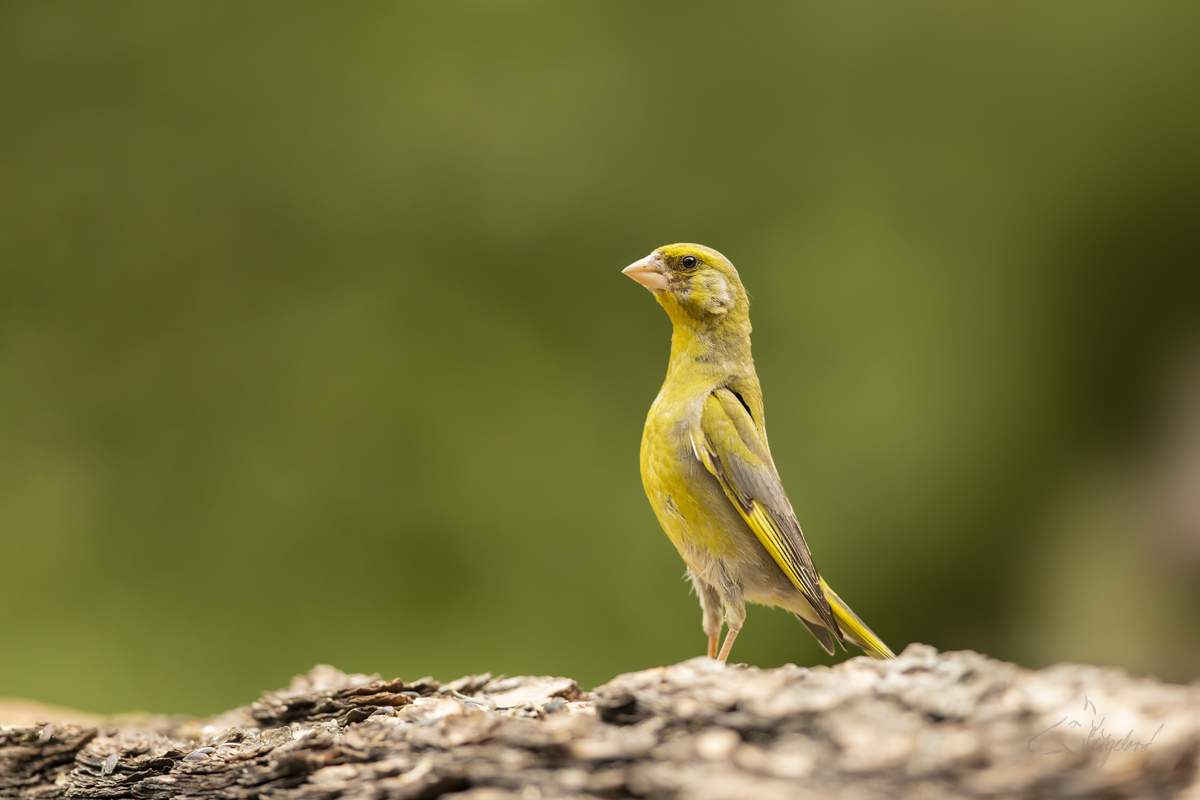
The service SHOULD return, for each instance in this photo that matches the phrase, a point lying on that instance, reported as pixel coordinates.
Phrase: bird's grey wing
(730, 447)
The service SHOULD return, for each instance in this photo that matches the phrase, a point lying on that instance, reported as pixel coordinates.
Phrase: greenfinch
(708, 471)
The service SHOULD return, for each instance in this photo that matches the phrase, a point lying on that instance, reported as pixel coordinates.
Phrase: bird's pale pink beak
(649, 272)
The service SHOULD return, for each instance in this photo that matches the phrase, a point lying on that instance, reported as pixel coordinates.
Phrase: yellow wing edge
(854, 627)
(763, 528)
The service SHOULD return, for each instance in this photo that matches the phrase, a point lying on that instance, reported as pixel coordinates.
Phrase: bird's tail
(853, 628)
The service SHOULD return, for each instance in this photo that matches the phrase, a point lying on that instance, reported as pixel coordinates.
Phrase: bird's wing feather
(730, 447)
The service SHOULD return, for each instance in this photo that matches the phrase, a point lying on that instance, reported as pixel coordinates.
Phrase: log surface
(928, 725)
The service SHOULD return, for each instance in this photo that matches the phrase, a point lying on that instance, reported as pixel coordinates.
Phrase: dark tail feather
(819, 631)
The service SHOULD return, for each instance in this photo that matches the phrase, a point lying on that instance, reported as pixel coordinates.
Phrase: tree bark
(928, 725)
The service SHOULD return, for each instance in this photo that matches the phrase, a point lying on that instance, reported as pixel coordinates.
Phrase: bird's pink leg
(730, 635)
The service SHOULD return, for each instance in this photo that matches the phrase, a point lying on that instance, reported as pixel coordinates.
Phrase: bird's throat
(724, 344)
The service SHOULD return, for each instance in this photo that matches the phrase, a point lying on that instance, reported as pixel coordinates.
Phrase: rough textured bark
(926, 725)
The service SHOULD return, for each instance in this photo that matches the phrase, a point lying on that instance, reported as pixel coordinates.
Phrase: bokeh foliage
(314, 346)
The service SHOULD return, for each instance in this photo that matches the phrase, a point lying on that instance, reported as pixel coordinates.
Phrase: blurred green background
(314, 346)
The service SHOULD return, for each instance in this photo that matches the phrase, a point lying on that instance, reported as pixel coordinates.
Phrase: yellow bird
(708, 471)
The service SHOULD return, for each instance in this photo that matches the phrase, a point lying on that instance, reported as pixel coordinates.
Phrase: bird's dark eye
(688, 261)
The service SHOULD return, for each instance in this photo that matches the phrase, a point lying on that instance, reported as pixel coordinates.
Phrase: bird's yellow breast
(688, 501)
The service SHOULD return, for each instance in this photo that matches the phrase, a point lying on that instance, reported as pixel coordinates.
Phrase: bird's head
(695, 284)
